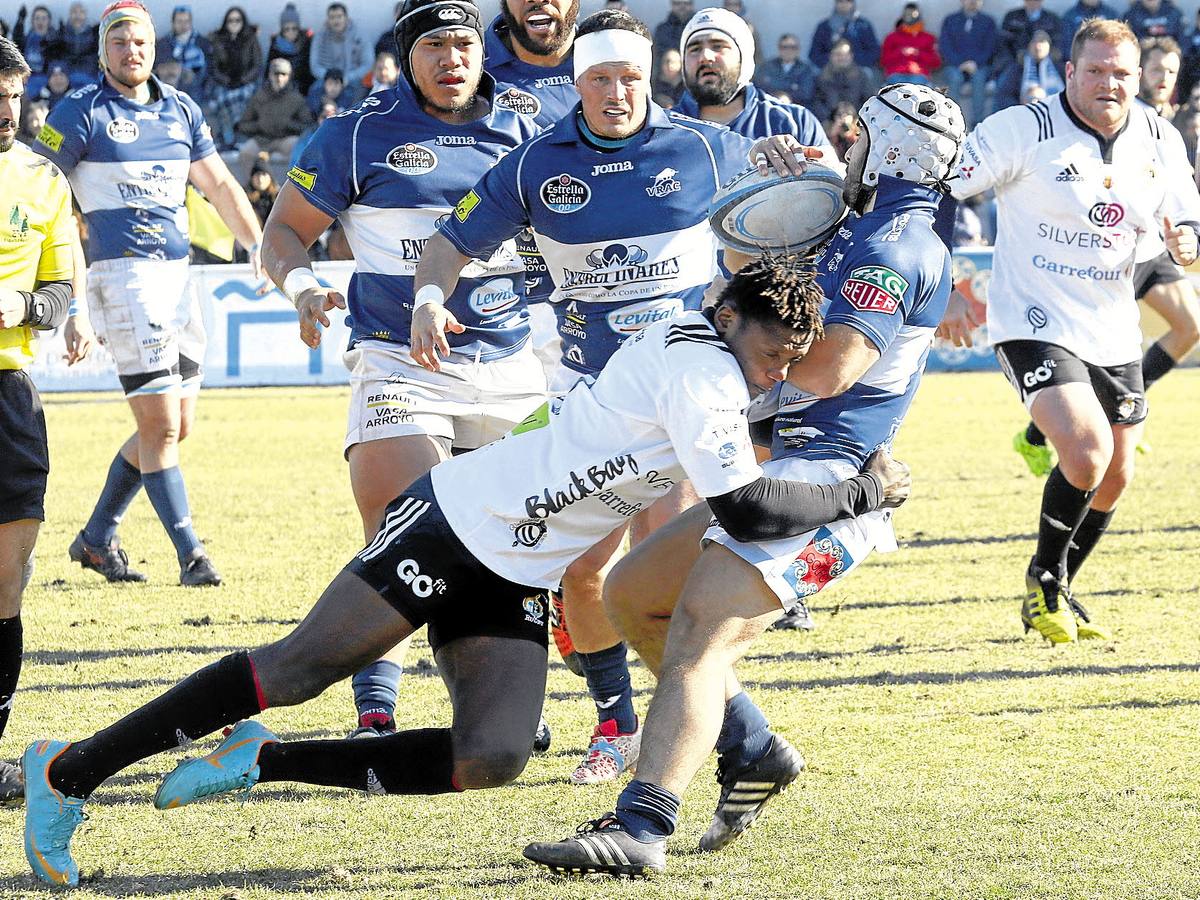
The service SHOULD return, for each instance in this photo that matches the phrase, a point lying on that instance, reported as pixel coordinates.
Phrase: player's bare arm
(959, 321)
(835, 362)
(78, 332)
(293, 226)
(217, 183)
(437, 275)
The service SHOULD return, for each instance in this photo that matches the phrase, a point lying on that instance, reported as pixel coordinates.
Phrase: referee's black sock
(1063, 509)
(11, 653)
(420, 761)
(1090, 530)
(220, 694)
(1155, 364)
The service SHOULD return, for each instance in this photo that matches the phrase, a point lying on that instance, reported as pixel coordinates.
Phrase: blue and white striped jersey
(389, 172)
(886, 274)
(624, 232)
(128, 166)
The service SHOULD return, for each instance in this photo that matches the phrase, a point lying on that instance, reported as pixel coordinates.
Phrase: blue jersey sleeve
(63, 139)
(322, 173)
(878, 293)
(202, 141)
(490, 213)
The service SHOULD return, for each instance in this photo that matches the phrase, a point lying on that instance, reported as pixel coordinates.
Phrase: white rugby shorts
(468, 403)
(543, 334)
(795, 568)
(148, 317)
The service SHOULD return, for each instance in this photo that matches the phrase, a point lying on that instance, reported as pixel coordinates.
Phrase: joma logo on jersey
(610, 168)
(454, 140)
(552, 81)
(874, 289)
(620, 264)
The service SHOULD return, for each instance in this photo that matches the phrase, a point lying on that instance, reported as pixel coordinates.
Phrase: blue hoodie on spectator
(854, 28)
(964, 39)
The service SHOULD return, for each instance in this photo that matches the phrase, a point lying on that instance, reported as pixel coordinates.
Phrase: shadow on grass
(956, 678)
(1136, 703)
(63, 657)
(130, 685)
(816, 656)
(922, 540)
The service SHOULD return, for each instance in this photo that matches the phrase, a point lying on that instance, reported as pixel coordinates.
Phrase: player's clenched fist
(312, 306)
(1181, 242)
(895, 475)
(430, 322)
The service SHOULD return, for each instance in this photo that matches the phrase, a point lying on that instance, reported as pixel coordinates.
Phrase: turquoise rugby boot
(50, 817)
(233, 766)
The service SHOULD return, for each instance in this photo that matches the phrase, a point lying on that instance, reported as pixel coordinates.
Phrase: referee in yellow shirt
(36, 239)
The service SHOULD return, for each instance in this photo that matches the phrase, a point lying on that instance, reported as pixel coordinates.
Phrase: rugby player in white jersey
(1083, 181)
(669, 406)
(129, 145)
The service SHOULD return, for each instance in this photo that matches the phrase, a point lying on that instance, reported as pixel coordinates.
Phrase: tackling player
(36, 268)
(1082, 180)
(414, 150)
(887, 276)
(129, 145)
(1158, 282)
(616, 193)
(669, 406)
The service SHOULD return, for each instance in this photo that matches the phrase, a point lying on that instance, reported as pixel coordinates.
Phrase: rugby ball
(754, 213)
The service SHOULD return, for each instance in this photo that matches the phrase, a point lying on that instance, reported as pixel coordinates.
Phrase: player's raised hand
(430, 322)
(958, 322)
(782, 154)
(79, 338)
(1181, 242)
(312, 305)
(895, 475)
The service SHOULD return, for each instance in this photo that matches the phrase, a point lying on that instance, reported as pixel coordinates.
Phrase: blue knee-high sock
(120, 487)
(168, 496)
(607, 674)
(647, 810)
(376, 690)
(745, 734)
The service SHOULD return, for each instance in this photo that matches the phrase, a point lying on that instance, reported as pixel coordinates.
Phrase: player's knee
(494, 767)
(158, 433)
(1085, 463)
(289, 674)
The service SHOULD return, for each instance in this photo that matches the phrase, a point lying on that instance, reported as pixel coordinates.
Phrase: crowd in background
(264, 106)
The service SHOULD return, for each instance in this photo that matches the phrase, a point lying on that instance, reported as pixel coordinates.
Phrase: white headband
(613, 45)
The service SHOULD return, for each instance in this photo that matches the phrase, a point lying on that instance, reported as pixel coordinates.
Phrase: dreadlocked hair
(780, 288)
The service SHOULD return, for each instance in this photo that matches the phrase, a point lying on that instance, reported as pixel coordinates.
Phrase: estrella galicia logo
(665, 183)
(565, 194)
(493, 297)
(519, 102)
(1106, 215)
(528, 533)
(633, 318)
(1037, 318)
(411, 159)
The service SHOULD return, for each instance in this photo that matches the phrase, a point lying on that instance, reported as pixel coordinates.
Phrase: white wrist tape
(297, 282)
(430, 293)
(613, 45)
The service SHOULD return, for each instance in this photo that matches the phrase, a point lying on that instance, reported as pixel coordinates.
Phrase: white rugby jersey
(668, 406)
(1075, 212)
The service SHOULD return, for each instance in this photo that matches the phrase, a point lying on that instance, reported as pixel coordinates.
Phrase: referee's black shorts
(24, 453)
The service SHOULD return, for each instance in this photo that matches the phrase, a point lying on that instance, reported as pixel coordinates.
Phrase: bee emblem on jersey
(529, 533)
(535, 610)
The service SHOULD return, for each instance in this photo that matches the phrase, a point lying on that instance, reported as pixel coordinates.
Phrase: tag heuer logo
(874, 289)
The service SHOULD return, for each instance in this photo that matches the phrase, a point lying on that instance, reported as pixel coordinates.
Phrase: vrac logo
(421, 585)
(1106, 215)
(664, 184)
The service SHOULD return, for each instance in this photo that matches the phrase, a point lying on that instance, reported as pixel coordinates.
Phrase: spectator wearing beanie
(275, 117)
(845, 23)
(237, 69)
(189, 49)
(293, 43)
(909, 53)
(338, 45)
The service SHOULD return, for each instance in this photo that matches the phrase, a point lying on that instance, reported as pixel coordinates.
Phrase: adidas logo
(374, 786)
(1070, 173)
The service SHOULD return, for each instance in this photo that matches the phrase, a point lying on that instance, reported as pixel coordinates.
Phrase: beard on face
(716, 93)
(542, 46)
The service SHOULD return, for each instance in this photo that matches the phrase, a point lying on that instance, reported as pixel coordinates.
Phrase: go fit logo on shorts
(1106, 215)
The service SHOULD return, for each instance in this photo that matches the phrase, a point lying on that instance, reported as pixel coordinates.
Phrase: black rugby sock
(1034, 435)
(420, 761)
(1155, 364)
(11, 654)
(1063, 508)
(219, 694)
(1090, 530)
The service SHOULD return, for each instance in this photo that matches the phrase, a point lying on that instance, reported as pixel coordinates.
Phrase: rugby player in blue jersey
(129, 145)
(669, 406)
(616, 193)
(389, 169)
(886, 275)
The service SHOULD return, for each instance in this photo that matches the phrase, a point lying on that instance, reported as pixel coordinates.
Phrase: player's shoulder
(708, 130)
(34, 176)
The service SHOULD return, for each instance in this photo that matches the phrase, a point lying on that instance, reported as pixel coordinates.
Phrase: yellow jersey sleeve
(57, 260)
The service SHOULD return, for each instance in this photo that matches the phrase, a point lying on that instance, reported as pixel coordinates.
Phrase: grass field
(949, 757)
